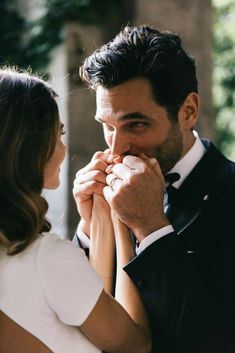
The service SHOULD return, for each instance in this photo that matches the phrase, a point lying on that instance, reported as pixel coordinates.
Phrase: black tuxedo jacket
(187, 278)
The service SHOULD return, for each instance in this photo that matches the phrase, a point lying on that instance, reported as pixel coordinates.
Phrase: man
(148, 105)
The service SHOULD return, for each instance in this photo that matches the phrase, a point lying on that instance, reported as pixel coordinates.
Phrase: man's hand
(135, 192)
(89, 180)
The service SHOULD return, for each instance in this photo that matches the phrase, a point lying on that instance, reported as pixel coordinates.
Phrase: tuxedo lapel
(202, 186)
(181, 220)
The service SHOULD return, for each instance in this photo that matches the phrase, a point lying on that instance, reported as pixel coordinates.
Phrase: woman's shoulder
(64, 269)
(57, 258)
(55, 254)
(51, 245)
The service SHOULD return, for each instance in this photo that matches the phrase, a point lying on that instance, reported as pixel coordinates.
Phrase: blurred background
(52, 38)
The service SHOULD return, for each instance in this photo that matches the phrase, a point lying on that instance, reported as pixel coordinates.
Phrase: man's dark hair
(144, 52)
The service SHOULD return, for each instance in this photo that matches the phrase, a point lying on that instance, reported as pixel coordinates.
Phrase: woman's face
(52, 167)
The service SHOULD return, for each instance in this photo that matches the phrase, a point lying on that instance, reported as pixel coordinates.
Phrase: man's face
(133, 123)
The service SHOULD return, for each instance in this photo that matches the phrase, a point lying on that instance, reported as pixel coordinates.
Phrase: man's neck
(189, 160)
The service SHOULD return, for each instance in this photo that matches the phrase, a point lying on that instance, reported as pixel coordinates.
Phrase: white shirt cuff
(81, 239)
(151, 238)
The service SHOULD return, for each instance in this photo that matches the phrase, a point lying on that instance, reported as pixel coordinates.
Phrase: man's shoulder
(214, 158)
(224, 175)
(214, 175)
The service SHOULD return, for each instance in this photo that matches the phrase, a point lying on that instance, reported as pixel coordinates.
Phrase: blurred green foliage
(24, 43)
(12, 27)
(224, 75)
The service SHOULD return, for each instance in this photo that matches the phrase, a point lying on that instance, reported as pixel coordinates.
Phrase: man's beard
(170, 151)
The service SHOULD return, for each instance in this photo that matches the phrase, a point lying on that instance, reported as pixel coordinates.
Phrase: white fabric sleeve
(151, 238)
(71, 285)
(81, 239)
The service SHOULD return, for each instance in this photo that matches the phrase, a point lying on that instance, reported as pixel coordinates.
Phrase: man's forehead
(125, 98)
(102, 114)
(108, 97)
(138, 86)
(112, 104)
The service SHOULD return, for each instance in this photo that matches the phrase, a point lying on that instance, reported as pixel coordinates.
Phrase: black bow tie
(171, 191)
(172, 177)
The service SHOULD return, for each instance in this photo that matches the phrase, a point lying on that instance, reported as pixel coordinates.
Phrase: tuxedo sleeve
(195, 315)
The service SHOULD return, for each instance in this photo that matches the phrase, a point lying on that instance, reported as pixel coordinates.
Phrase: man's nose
(120, 144)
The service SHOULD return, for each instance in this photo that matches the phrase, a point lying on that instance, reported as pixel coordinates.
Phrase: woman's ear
(189, 111)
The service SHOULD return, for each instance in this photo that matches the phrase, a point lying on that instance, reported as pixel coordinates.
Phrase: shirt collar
(186, 164)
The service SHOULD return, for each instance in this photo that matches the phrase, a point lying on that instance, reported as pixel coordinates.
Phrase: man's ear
(189, 111)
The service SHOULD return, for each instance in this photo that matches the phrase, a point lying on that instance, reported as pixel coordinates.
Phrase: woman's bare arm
(109, 326)
(102, 242)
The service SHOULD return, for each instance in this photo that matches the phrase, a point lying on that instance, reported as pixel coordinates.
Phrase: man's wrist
(155, 236)
(142, 232)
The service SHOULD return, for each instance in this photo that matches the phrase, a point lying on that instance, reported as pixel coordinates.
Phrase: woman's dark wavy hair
(144, 52)
(28, 123)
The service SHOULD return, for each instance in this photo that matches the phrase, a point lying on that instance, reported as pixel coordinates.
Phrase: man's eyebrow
(130, 116)
(97, 118)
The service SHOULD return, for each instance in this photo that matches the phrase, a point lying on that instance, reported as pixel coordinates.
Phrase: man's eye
(107, 127)
(136, 124)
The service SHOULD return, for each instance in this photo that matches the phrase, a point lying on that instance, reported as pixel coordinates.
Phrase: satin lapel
(182, 218)
(201, 187)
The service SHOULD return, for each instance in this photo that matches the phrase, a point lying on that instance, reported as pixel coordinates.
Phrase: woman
(48, 289)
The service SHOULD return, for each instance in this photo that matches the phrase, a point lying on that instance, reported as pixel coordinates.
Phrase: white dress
(49, 289)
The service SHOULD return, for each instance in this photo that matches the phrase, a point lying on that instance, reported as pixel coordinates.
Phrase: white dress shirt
(183, 167)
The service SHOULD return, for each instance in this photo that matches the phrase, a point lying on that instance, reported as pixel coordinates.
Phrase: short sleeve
(71, 285)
